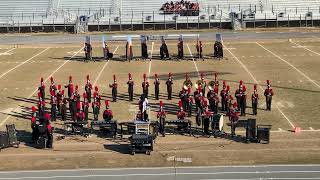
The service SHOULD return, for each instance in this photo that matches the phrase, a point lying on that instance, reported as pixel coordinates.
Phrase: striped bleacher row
(130, 11)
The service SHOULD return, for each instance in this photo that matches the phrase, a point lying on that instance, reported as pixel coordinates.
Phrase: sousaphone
(187, 85)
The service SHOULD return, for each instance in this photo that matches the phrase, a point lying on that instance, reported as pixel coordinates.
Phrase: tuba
(187, 85)
(199, 82)
(211, 85)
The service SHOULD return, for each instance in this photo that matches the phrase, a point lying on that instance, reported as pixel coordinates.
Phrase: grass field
(291, 66)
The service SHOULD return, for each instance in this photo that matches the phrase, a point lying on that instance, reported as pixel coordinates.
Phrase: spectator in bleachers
(180, 7)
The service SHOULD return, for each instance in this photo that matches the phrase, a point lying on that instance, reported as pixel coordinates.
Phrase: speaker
(3, 140)
(263, 133)
(12, 135)
(251, 130)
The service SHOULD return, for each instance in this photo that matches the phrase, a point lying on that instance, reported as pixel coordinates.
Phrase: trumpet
(211, 85)
(199, 83)
(187, 85)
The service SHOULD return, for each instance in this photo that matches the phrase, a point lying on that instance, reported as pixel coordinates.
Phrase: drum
(221, 123)
(217, 123)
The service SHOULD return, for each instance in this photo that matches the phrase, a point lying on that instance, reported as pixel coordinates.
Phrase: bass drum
(217, 123)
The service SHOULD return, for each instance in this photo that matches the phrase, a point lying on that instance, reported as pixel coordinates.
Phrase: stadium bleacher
(128, 11)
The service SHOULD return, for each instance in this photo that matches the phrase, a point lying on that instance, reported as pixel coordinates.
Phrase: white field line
(150, 63)
(5, 73)
(246, 69)
(304, 47)
(104, 66)
(21, 104)
(195, 64)
(9, 50)
(277, 56)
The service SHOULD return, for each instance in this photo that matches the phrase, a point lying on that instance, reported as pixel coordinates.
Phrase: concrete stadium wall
(70, 28)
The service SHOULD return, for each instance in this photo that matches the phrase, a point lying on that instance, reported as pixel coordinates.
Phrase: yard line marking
(303, 74)
(21, 104)
(9, 50)
(280, 129)
(3, 74)
(311, 128)
(104, 66)
(304, 47)
(150, 60)
(246, 69)
(195, 64)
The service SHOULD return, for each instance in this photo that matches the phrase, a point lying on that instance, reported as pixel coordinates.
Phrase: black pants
(268, 102)
(130, 91)
(53, 112)
(254, 108)
(114, 94)
(63, 112)
(243, 105)
(156, 92)
(206, 123)
(146, 93)
(86, 112)
(96, 113)
(223, 104)
(169, 94)
(35, 133)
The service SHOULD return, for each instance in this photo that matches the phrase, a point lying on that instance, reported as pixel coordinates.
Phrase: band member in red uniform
(49, 134)
(207, 116)
(77, 95)
(88, 88)
(199, 48)
(96, 108)
(129, 52)
(216, 81)
(228, 99)
(85, 106)
(130, 84)
(80, 114)
(181, 115)
(203, 85)
(169, 84)
(156, 86)
(233, 117)
(255, 98)
(238, 93)
(59, 99)
(243, 101)
(70, 87)
(52, 87)
(41, 106)
(42, 88)
(107, 114)
(213, 100)
(114, 87)
(268, 93)
(223, 96)
(145, 86)
(63, 106)
(180, 48)
(161, 115)
(53, 103)
(34, 124)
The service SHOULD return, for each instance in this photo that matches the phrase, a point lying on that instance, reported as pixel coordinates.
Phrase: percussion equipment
(182, 126)
(217, 123)
(106, 127)
(141, 143)
(263, 133)
(75, 127)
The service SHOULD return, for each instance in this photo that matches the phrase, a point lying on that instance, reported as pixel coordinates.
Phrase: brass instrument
(199, 82)
(211, 85)
(187, 85)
